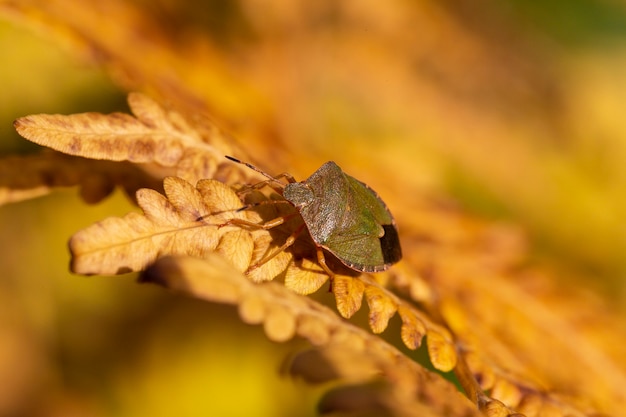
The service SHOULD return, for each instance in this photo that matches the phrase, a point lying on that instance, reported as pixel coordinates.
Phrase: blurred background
(513, 109)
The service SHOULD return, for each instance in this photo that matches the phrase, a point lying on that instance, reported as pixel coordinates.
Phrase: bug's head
(298, 193)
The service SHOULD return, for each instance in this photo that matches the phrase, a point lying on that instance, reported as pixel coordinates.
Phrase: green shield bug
(344, 217)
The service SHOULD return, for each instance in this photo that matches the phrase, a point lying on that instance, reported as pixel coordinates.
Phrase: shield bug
(344, 217)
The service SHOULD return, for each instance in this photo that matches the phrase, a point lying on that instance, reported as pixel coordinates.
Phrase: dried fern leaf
(382, 308)
(412, 330)
(305, 277)
(441, 351)
(274, 267)
(384, 304)
(353, 353)
(115, 137)
(257, 302)
(154, 134)
(282, 312)
(186, 220)
(348, 294)
(30, 176)
(181, 222)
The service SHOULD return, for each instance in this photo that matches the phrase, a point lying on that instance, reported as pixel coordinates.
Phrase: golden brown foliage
(192, 220)
(517, 341)
(348, 352)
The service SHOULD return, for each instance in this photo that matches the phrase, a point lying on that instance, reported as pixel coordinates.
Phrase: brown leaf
(211, 283)
(441, 351)
(352, 353)
(278, 308)
(382, 308)
(305, 277)
(115, 137)
(30, 176)
(181, 222)
(237, 246)
(272, 268)
(412, 330)
(348, 294)
(153, 135)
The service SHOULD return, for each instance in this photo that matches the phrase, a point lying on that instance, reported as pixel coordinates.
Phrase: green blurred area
(584, 23)
(100, 346)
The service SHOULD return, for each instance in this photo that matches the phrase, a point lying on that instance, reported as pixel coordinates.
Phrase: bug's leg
(242, 222)
(322, 261)
(274, 184)
(267, 183)
(290, 241)
(287, 176)
(262, 203)
(267, 225)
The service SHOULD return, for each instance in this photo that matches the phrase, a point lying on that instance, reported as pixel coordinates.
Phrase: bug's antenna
(265, 174)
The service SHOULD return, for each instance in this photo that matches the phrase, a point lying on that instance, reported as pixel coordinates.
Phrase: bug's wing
(366, 238)
(360, 252)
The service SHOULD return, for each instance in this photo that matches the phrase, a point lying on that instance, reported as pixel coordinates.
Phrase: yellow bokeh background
(534, 135)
